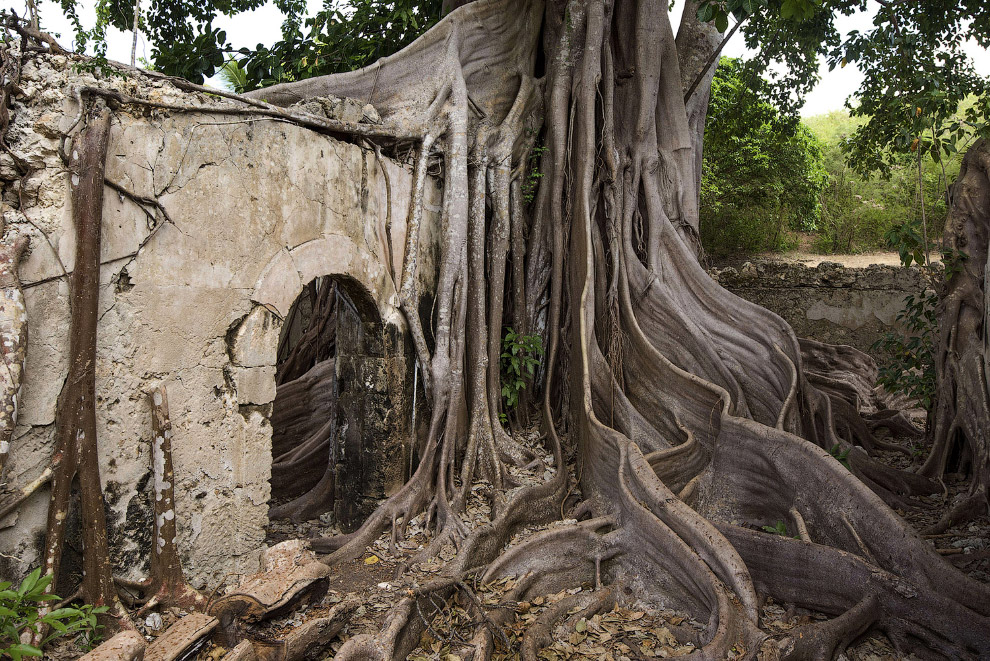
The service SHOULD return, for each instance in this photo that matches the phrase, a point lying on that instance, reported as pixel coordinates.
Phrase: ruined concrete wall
(829, 302)
(255, 209)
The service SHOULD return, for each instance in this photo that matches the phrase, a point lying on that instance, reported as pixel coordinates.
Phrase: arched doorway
(340, 418)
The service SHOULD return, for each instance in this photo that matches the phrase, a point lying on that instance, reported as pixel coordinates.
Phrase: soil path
(860, 260)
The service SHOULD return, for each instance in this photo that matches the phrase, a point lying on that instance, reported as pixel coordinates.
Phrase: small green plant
(778, 529)
(520, 358)
(841, 455)
(910, 368)
(533, 176)
(21, 611)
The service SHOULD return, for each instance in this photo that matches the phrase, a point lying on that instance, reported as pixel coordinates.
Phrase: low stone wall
(829, 302)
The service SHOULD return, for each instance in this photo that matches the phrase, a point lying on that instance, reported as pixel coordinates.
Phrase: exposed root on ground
(696, 417)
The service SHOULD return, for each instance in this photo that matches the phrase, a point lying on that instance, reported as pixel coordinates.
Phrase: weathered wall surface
(829, 302)
(255, 210)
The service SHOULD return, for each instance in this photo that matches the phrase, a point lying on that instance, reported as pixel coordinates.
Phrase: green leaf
(23, 650)
(721, 22)
(29, 582)
(62, 613)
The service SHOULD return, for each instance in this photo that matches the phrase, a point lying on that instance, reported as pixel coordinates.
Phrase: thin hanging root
(166, 585)
(76, 452)
(864, 549)
(264, 110)
(799, 523)
(787, 408)
(25, 492)
(408, 292)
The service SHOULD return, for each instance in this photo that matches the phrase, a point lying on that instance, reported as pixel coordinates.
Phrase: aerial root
(311, 504)
(894, 421)
(799, 523)
(890, 483)
(857, 588)
(452, 533)
(551, 551)
(383, 646)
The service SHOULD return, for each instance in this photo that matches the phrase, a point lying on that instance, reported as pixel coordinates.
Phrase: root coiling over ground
(687, 410)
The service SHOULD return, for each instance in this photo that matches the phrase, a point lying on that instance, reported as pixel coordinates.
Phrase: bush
(858, 211)
(21, 612)
(762, 172)
(521, 356)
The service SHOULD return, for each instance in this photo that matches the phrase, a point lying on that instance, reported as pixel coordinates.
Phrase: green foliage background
(767, 176)
(343, 36)
(763, 172)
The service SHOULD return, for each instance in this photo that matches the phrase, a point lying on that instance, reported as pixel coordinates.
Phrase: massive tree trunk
(688, 411)
(960, 428)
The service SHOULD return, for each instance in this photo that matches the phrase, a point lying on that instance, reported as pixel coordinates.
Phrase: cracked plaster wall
(257, 208)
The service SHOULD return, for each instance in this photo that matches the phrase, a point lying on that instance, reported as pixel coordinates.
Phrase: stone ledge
(774, 274)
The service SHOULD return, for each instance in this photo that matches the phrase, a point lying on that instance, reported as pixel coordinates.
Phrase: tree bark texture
(76, 458)
(960, 428)
(688, 410)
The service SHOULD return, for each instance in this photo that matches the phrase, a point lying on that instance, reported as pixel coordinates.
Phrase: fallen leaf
(371, 559)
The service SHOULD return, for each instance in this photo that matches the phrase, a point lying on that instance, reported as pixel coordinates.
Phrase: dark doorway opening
(341, 416)
(303, 415)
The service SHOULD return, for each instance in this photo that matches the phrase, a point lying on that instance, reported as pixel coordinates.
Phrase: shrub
(22, 611)
(762, 172)
(520, 358)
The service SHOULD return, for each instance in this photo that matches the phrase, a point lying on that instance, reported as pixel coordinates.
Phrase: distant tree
(763, 171)
(343, 36)
(184, 41)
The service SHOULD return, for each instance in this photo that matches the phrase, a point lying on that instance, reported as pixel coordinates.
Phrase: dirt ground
(631, 631)
(804, 254)
(860, 260)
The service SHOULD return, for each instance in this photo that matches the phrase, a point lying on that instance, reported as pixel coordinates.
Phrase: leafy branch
(22, 611)
(520, 358)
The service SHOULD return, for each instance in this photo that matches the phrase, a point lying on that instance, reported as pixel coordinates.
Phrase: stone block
(255, 385)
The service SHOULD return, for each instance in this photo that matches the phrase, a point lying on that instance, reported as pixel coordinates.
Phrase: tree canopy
(341, 36)
(690, 432)
(763, 172)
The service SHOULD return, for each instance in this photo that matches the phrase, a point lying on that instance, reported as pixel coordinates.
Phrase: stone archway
(366, 433)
